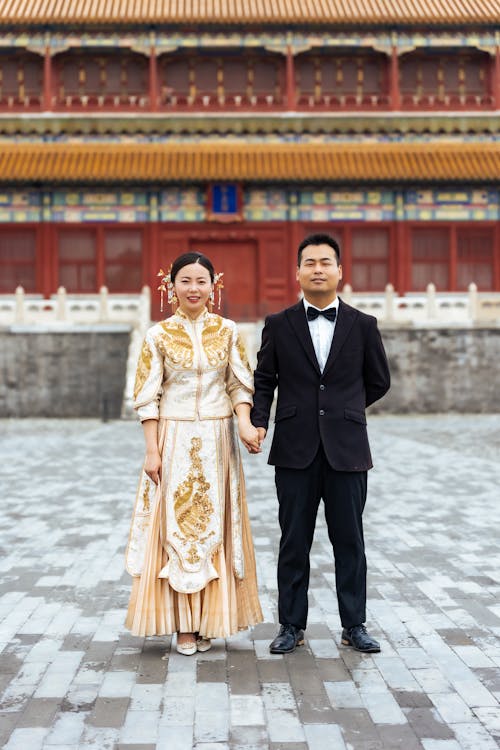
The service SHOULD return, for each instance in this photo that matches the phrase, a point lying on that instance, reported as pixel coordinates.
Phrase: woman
(190, 548)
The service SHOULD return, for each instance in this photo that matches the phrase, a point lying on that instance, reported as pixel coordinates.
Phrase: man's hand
(249, 436)
(262, 434)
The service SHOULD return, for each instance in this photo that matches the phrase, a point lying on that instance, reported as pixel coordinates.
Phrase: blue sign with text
(224, 199)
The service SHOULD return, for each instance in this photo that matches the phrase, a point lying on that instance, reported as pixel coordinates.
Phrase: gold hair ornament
(166, 286)
(219, 285)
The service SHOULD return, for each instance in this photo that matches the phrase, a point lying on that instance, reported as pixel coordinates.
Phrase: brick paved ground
(72, 677)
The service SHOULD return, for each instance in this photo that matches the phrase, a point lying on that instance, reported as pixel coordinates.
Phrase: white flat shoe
(203, 644)
(187, 649)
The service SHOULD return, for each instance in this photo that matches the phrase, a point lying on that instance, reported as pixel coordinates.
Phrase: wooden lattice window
(17, 259)
(430, 252)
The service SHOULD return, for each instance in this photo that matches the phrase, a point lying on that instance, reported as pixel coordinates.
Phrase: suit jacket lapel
(297, 317)
(346, 317)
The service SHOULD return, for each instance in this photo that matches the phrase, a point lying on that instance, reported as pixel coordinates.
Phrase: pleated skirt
(226, 605)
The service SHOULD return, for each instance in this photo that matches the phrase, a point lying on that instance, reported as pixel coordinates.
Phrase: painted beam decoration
(266, 203)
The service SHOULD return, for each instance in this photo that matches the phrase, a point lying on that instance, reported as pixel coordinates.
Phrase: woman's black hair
(186, 259)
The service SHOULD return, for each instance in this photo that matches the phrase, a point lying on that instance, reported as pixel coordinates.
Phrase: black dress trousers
(344, 495)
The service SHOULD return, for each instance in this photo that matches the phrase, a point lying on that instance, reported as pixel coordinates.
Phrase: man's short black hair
(318, 239)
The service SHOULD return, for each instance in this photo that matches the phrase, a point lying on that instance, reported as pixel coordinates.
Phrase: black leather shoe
(358, 638)
(287, 640)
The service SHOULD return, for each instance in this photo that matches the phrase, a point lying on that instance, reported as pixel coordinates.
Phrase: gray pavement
(72, 677)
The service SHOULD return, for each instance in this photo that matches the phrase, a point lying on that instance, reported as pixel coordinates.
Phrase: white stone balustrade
(428, 309)
(417, 309)
(67, 309)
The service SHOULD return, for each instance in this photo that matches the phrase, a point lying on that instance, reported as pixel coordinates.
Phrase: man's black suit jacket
(314, 406)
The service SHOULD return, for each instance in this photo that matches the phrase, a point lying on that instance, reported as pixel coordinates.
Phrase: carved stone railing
(88, 309)
(426, 308)
(429, 308)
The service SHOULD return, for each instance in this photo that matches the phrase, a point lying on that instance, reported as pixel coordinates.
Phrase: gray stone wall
(80, 372)
(76, 372)
(442, 370)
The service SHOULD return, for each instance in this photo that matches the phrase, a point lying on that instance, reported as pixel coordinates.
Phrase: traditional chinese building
(133, 131)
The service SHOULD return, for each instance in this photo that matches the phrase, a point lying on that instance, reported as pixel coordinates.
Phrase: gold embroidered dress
(190, 547)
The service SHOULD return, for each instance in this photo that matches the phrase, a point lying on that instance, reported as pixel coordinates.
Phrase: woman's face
(193, 286)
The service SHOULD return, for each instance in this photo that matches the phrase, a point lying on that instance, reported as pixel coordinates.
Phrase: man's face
(319, 273)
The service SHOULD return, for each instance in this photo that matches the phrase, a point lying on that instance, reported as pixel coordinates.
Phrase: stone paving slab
(72, 678)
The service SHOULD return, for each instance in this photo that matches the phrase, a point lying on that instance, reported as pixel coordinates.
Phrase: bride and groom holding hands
(190, 549)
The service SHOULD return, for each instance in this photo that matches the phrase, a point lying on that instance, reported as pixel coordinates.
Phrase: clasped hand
(251, 437)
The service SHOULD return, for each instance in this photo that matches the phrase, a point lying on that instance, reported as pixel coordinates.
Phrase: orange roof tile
(146, 163)
(37, 12)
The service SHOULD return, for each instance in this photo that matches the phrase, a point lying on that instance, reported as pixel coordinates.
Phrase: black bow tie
(330, 313)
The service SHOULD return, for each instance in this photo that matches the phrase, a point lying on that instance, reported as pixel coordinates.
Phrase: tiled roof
(134, 163)
(249, 11)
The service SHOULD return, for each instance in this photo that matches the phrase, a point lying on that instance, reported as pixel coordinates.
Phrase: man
(328, 362)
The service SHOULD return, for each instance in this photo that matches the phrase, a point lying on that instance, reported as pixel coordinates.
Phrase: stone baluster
(389, 302)
(103, 304)
(431, 302)
(472, 302)
(62, 305)
(347, 294)
(145, 309)
(20, 308)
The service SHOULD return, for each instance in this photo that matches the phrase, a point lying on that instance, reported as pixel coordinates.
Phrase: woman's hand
(249, 436)
(152, 466)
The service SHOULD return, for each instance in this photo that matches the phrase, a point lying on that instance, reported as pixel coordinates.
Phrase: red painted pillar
(392, 266)
(46, 278)
(47, 80)
(403, 259)
(47, 249)
(290, 80)
(452, 283)
(296, 234)
(346, 255)
(394, 92)
(401, 252)
(151, 258)
(153, 80)
(496, 258)
(496, 79)
(100, 240)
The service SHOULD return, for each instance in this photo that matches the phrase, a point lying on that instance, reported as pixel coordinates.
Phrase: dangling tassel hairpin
(167, 286)
(219, 286)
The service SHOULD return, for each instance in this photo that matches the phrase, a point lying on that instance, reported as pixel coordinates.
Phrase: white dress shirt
(322, 331)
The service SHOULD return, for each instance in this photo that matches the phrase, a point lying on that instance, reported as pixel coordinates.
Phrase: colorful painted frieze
(20, 207)
(182, 204)
(266, 204)
(277, 41)
(354, 205)
(438, 204)
(95, 206)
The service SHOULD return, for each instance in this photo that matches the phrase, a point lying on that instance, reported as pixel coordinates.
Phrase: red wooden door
(237, 259)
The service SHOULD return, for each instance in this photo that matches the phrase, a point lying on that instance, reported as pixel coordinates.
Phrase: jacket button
(322, 387)
(321, 412)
